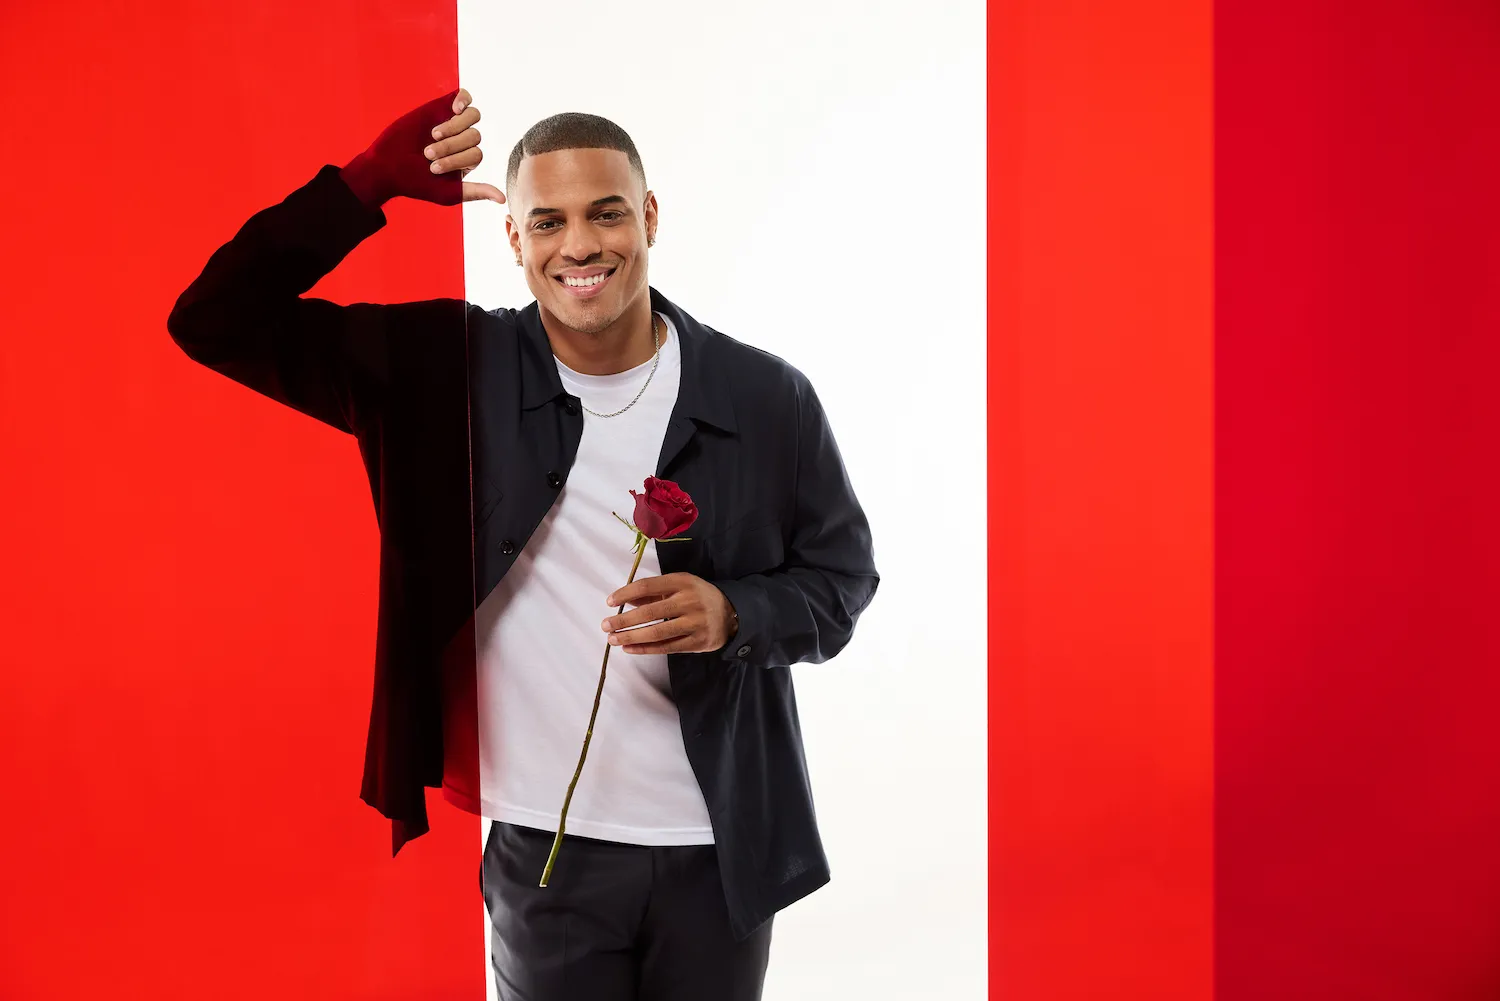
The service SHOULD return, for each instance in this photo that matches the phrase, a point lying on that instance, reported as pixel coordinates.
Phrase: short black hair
(572, 130)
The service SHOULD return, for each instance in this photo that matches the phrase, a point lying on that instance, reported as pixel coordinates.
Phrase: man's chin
(585, 319)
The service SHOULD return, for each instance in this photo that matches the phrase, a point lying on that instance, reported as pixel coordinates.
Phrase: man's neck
(628, 342)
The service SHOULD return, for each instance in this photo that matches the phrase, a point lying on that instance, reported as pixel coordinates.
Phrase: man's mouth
(585, 286)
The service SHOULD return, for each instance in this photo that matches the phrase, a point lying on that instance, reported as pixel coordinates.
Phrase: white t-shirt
(539, 645)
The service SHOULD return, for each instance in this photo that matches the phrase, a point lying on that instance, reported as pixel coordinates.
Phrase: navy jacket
(468, 436)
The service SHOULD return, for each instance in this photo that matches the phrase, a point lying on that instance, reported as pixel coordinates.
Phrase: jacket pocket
(485, 503)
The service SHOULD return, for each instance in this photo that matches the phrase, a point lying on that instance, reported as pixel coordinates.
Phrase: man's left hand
(698, 618)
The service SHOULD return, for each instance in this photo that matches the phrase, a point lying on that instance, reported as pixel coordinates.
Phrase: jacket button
(743, 651)
(571, 407)
(507, 547)
(554, 481)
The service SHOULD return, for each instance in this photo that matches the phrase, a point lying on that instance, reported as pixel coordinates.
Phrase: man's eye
(609, 216)
(545, 223)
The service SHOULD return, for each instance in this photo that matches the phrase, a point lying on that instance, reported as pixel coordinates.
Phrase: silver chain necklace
(655, 360)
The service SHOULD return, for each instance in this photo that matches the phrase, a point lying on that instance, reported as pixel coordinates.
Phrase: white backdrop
(820, 173)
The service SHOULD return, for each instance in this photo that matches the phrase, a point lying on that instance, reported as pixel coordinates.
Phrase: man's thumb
(475, 191)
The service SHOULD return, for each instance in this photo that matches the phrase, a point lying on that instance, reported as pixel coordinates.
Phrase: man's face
(579, 218)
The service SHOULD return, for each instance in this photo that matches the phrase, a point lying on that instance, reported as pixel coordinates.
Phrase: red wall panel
(1100, 491)
(189, 594)
(1358, 552)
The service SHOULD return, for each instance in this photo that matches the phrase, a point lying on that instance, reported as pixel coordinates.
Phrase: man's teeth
(585, 282)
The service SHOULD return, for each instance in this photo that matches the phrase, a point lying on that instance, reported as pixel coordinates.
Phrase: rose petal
(672, 505)
(647, 521)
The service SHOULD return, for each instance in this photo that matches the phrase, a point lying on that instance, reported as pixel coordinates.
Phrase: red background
(1245, 562)
(1101, 379)
(1244, 307)
(189, 595)
(1357, 545)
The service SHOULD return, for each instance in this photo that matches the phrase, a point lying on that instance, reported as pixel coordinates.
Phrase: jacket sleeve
(245, 316)
(805, 611)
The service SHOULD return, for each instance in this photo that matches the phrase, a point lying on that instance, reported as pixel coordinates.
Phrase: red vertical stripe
(1100, 479)
(1358, 770)
(189, 585)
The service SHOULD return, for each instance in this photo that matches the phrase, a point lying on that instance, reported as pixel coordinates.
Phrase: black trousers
(614, 923)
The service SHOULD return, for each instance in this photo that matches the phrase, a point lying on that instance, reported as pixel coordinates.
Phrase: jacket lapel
(703, 396)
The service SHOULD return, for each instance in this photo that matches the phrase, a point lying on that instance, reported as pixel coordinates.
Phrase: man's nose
(581, 243)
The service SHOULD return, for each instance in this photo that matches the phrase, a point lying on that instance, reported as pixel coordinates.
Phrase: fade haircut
(572, 130)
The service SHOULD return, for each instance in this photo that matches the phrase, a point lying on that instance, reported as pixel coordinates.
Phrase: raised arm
(246, 317)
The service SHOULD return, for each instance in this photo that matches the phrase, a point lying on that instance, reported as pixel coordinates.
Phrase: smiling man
(498, 444)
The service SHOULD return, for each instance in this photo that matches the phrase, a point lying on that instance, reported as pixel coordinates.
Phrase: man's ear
(651, 213)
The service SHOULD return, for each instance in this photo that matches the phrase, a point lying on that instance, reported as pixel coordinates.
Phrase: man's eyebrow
(606, 200)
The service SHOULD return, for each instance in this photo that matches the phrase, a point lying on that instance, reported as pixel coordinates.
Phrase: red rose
(664, 510)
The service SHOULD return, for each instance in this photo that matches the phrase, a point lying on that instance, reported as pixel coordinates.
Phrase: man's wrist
(749, 613)
(365, 181)
(731, 619)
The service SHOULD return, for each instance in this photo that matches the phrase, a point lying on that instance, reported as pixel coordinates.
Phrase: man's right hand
(424, 154)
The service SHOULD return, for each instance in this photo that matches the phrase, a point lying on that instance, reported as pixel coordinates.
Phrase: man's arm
(805, 611)
(245, 315)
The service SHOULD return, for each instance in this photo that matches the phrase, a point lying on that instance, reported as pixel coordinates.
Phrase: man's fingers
(456, 124)
(662, 632)
(475, 191)
(647, 611)
(631, 594)
(685, 644)
(464, 160)
(467, 139)
(461, 100)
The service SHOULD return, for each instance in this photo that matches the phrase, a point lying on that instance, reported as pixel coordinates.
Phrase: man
(498, 444)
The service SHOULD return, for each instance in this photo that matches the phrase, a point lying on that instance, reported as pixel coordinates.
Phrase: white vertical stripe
(820, 172)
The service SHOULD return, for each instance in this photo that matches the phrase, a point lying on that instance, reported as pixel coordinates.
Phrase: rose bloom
(663, 510)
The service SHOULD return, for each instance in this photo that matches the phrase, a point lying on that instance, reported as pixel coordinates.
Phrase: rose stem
(562, 822)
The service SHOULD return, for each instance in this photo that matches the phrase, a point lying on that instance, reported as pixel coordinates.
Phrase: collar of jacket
(703, 395)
